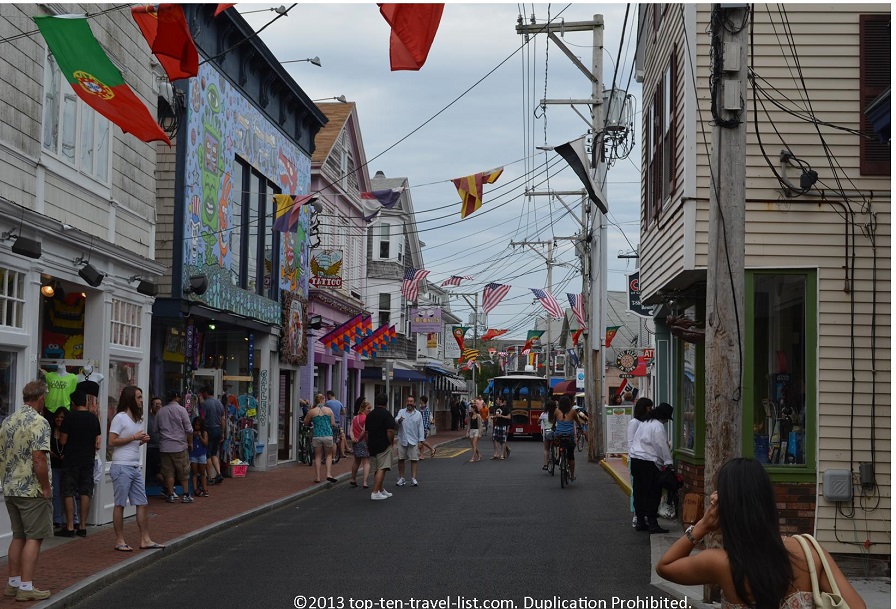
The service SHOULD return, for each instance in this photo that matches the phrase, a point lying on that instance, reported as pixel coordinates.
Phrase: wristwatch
(688, 533)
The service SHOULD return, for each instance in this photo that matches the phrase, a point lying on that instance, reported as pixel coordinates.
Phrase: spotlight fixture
(197, 285)
(211, 326)
(147, 288)
(90, 275)
(22, 245)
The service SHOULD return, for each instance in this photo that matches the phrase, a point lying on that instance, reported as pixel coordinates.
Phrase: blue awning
(408, 375)
(440, 370)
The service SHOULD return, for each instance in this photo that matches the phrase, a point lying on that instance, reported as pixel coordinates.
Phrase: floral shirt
(24, 432)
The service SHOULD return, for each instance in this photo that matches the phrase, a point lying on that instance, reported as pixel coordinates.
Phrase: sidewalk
(874, 591)
(73, 568)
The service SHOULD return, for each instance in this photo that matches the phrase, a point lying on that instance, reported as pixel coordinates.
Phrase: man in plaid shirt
(427, 423)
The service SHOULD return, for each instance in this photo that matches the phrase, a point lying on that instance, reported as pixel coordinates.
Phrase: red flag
(576, 335)
(492, 333)
(222, 7)
(414, 28)
(165, 28)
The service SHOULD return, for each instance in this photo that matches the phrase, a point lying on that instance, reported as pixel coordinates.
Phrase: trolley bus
(525, 393)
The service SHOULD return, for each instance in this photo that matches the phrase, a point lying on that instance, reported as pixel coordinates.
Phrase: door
(284, 421)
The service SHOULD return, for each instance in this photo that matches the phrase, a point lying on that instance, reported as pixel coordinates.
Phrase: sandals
(472, 460)
(432, 453)
(493, 458)
(353, 483)
(153, 546)
(123, 547)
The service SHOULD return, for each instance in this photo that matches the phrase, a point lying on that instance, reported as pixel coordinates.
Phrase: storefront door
(284, 421)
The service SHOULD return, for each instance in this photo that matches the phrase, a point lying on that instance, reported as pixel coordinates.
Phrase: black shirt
(379, 422)
(82, 428)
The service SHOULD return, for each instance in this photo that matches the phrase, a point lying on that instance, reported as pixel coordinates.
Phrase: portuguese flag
(95, 78)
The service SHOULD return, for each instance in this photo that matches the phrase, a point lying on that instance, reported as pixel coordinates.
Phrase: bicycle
(552, 459)
(562, 462)
(305, 450)
(581, 436)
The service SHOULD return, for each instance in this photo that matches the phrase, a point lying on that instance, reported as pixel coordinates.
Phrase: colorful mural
(222, 125)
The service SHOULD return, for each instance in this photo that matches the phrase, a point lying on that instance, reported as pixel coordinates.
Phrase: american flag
(492, 295)
(410, 287)
(577, 302)
(549, 303)
(454, 280)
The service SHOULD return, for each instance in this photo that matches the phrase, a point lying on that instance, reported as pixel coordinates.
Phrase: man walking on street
(338, 409)
(80, 439)
(501, 423)
(175, 436)
(427, 425)
(213, 411)
(25, 473)
(410, 436)
(380, 426)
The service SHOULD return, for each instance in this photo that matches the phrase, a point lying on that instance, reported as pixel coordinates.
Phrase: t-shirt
(379, 422)
(337, 408)
(82, 427)
(21, 434)
(59, 390)
(174, 425)
(358, 426)
(214, 410)
(500, 412)
(125, 427)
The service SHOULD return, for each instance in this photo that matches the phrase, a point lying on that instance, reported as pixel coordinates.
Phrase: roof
(338, 114)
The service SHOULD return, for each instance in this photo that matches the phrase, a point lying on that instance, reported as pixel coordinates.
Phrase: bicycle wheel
(580, 441)
(553, 459)
(336, 455)
(564, 470)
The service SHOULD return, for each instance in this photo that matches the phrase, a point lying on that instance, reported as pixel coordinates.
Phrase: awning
(565, 388)
(440, 370)
(408, 375)
(458, 384)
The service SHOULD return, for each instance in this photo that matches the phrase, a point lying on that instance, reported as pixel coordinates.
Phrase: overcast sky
(441, 123)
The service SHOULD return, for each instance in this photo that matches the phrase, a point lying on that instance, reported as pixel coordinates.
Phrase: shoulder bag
(823, 600)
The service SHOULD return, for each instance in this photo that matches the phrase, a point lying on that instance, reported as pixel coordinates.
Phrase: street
(469, 534)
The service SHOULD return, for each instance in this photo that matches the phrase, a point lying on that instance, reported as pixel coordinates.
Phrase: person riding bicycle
(566, 417)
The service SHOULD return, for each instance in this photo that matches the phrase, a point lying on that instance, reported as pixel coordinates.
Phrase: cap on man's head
(663, 411)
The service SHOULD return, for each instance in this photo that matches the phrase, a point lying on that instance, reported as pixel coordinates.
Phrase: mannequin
(89, 382)
(61, 383)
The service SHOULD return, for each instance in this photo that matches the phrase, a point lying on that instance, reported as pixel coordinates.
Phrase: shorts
(499, 434)
(547, 435)
(474, 433)
(568, 443)
(410, 452)
(77, 480)
(127, 484)
(199, 459)
(30, 517)
(214, 441)
(176, 465)
(383, 460)
(325, 441)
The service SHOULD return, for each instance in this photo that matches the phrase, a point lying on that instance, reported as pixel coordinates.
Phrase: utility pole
(594, 226)
(549, 260)
(725, 260)
(475, 306)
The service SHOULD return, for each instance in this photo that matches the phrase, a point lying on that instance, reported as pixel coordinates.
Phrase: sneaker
(202, 493)
(11, 590)
(386, 493)
(32, 595)
(211, 481)
(171, 498)
(64, 533)
(187, 499)
(399, 482)
(634, 521)
(378, 496)
(413, 482)
(219, 479)
(81, 532)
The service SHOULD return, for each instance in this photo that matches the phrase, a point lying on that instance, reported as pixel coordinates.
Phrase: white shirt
(125, 427)
(650, 444)
(630, 432)
(410, 427)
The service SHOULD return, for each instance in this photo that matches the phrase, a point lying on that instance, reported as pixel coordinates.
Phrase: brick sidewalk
(70, 566)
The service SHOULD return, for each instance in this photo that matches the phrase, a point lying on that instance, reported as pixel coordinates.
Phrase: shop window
(8, 365)
(121, 374)
(12, 298)
(73, 132)
(780, 364)
(687, 389)
(126, 324)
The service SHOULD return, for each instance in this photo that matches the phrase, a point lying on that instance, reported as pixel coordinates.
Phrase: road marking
(450, 453)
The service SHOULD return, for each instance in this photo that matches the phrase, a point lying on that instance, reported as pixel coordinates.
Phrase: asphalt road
(469, 534)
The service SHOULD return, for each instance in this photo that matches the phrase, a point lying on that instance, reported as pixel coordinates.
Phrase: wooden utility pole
(725, 256)
(549, 260)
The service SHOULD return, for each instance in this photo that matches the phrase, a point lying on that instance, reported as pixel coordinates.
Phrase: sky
(474, 106)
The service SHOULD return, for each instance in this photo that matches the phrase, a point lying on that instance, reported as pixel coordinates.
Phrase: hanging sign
(326, 269)
(634, 296)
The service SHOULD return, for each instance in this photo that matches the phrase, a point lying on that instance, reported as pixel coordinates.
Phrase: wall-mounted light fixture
(47, 287)
(88, 273)
(147, 288)
(22, 245)
(197, 285)
(339, 98)
(312, 60)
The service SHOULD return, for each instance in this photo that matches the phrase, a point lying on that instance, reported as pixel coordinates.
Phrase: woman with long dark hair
(546, 422)
(565, 429)
(649, 453)
(639, 414)
(756, 568)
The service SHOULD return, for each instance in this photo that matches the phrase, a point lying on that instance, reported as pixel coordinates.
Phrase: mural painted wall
(223, 125)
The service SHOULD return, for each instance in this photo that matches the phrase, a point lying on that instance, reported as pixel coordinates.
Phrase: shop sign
(326, 269)
(426, 320)
(262, 397)
(627, 360)
(634, 296)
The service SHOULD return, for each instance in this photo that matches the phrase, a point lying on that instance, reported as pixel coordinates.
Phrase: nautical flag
(492, 333)
(577, 302)
(414, 28)
(386, 198)
(459, 332)
(222, 7)
(573, 357)
(470, 354)
(454, 280)
(492, 295)
(410, 287)
(576, 335)
(165, 28)
(611, 334)
(549, 303)
(470, 189)
(288, 210)
(95, 79)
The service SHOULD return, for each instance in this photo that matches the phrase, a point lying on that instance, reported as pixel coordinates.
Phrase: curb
(623, 484)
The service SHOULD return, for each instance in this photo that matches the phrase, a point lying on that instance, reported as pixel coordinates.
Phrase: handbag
(669, 480)
(823, 600)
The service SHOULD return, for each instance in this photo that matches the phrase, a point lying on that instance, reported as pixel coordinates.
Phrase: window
(688, 390)
(254, 246)
(780, 368)
(874, 65)
(383, 242)
(73, 131)
(660, 126)
(8, 397)
(126, 324)
(12, 299)
(385, 308)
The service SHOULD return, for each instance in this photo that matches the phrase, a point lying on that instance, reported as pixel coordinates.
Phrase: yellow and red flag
(470, 189)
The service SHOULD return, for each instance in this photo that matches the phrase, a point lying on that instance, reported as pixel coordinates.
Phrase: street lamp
(339, 98)
(314, 60)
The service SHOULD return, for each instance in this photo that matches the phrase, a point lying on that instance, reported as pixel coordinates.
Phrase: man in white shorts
(410, 437)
